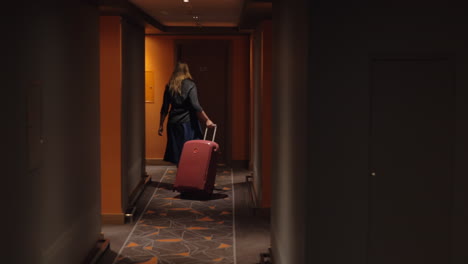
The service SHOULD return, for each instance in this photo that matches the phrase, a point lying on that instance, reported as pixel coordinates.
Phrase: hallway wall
(111, 118)
(289, 133)
(133, 110)
(123, 115)
(160, 61)
(51, 187)
(325, 50)
(262, 108)
(339, 112)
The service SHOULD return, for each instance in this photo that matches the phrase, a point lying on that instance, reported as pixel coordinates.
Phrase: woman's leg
(175, 141)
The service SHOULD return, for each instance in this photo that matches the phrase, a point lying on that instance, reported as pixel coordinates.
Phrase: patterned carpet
(184, 231)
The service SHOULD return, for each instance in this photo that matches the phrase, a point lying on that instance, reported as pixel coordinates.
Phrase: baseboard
(134, 196)
(122, 218)
(253, 194)
(158, 162)
(102, 245)
(113, 219)
(96, 253)
(266, 258)
(272, 259)
(145, 179)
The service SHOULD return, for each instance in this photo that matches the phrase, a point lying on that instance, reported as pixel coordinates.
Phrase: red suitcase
(196, 173)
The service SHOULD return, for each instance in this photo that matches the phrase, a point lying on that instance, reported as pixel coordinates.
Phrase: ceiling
(206, 13)
(201, 16)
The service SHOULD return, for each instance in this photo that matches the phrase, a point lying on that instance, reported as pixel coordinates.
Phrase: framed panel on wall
(149, 87)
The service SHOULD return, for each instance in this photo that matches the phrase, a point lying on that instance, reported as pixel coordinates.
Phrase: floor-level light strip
(233, 218)
(141, 216)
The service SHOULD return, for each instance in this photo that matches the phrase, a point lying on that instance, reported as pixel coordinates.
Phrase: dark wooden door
(412, 135)
(208, 63)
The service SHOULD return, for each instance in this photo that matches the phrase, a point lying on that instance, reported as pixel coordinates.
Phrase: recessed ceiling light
(186, 1)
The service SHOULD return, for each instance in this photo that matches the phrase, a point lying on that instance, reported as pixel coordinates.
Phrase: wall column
(111, 109)
(289, 131)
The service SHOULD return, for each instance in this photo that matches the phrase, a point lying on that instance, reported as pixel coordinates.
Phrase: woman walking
(185, 112)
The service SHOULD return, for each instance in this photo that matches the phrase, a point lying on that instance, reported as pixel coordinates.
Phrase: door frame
(410, 56)
(227, 102)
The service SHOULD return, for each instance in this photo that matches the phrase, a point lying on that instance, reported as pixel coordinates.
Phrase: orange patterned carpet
(184, 231)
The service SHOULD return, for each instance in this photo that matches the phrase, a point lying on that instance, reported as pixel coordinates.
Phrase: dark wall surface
(322, 174)
(290, 194)
(257, 113)
(133, 108)
(52, 180)
(346, 41)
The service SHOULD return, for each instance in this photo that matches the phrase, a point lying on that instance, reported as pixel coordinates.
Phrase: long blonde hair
(180, 73)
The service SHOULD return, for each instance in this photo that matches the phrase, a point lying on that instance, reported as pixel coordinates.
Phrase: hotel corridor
(350, 119)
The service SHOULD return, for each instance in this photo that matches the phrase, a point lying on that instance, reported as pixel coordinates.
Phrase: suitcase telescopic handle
(214, 133)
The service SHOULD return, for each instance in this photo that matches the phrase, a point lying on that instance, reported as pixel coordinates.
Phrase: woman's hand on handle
(204, 118)
(210, 124)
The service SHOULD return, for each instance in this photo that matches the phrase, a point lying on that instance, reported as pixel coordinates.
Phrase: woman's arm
(202, 116)
(164, 111)
(162, 117)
